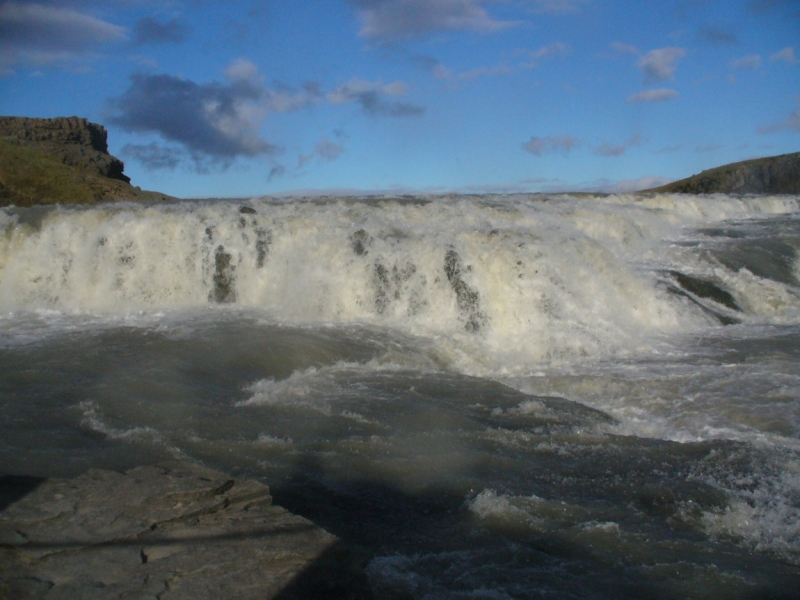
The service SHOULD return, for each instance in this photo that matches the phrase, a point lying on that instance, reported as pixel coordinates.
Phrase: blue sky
(239, 97)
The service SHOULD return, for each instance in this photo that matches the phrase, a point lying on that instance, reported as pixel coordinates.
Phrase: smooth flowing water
(483, 396)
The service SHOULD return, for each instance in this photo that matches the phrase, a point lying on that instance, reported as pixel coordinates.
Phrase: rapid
(501, 396)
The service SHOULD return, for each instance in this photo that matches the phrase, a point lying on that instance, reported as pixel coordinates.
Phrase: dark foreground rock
(771, 175)
(171, 531)
(65, 159)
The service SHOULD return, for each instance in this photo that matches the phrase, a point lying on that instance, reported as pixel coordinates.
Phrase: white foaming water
(502, 282)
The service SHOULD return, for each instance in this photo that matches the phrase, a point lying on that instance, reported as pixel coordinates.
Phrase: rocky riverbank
(61, 160)
(173, 530)
(770, 175)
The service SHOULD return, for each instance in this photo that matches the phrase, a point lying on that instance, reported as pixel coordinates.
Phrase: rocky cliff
(771, 175)
(66, 159)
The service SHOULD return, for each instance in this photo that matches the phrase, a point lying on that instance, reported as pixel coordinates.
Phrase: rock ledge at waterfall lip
(172, 530)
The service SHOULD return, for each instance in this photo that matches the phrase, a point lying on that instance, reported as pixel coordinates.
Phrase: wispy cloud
(402, 20)
(276, 171)
(371, 96)
(151, 31)
(790, 123)
(325, 151)
(431, 64)
(532, 59)
(658, 95)
(550, 144)
(786, 55)
(548, 51)
(659, 65)
(751, 62)
(153, 156)
(717, 36)
(609, 149)
(39, 34)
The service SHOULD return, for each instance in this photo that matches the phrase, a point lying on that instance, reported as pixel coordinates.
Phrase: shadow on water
(400, 545)
(406, 544)
(332, 576)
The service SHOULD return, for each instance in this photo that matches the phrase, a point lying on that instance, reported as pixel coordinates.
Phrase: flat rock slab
(168, 531)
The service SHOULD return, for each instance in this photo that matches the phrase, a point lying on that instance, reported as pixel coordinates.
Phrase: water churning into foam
(510, 280)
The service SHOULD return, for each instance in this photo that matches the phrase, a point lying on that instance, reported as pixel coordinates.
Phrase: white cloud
(552, 143)
(750, 62)
(659, 65)
(38, 34)
(790, 123)
(371, 97)
(399, 20)
(554, 49)
(786, 55)
(658, 95)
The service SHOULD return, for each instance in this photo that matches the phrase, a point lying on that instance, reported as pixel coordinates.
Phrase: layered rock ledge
(65, 159)
(171, 531)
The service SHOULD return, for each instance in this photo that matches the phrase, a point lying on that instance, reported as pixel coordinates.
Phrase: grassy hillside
(28, 177)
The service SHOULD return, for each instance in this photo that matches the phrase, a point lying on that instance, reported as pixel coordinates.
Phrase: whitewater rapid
(510, 281)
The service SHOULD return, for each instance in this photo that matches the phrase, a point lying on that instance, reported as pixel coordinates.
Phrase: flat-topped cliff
(65, 159)
(770, 175)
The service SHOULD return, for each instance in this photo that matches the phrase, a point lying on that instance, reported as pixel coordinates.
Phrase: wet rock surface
(173, 530)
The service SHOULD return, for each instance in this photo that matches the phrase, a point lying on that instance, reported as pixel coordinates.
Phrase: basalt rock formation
(66, 159)
(771, 175)
(174, 530)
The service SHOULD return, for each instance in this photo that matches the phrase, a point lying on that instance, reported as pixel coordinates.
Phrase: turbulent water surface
(484, 397)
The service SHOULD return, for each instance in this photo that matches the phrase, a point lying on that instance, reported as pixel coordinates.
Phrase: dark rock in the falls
(224, 291)
(467, 299)
(705, 289)
(263, 241)
(677, 291)
(174, 530)
(65, 159)
(246, 210)
(360, 241)
(770, 175)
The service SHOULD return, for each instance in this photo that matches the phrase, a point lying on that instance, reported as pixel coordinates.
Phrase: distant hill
(771, 175)
(61, 160)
